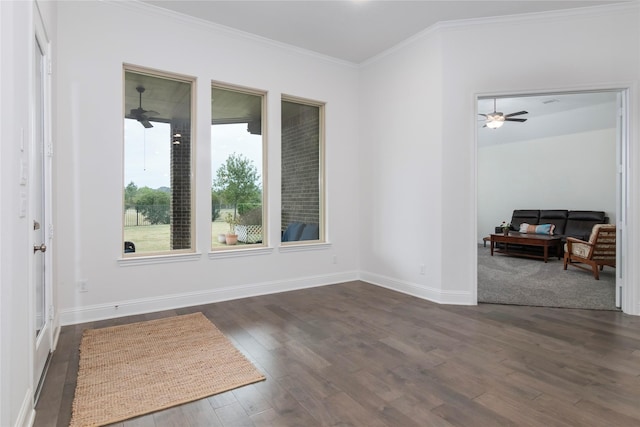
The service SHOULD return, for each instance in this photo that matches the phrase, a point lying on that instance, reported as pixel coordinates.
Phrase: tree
(237, 181)
(154, 205)
(130, 192)
(255, 201)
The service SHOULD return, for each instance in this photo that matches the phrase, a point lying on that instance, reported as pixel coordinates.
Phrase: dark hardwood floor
(355, 354)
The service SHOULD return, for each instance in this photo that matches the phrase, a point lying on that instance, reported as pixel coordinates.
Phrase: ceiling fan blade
(146, 123)
(151, 113)
(517, 114)
(483, 115)
(507, 119)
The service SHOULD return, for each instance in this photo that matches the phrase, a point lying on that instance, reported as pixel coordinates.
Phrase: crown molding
(139, 6)
(590, 11)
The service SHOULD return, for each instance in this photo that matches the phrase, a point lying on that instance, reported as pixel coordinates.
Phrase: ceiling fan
(140, 114)
(496, 119)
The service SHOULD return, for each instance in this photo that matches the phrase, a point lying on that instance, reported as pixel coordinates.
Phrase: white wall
(14, 122)
(401, 104)
(95, 39)
(537, 54)
(574, 172)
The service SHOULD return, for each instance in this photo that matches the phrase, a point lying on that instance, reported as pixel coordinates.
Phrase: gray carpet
(524, 281)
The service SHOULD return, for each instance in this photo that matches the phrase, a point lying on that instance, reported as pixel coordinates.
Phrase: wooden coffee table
(514, 238)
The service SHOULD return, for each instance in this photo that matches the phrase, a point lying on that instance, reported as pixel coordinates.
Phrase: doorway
(566, 150)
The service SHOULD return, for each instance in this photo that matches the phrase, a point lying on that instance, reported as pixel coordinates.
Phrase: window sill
(300, 247)
(236, 253)
(158, 259)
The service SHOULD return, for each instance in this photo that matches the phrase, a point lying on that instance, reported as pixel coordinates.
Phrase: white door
(39, 224)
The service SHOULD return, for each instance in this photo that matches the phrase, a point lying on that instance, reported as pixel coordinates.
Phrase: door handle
(37, 248)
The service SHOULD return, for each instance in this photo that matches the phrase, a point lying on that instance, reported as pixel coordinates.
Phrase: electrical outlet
(334, 259)
(82, 286)
(423, 269)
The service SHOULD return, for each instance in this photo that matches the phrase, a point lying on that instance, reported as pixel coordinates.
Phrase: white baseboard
(56, 331)
(27, 413)
(148, 305)
(419, 291)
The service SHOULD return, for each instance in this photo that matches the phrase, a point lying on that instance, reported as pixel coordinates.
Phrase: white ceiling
(352, 30)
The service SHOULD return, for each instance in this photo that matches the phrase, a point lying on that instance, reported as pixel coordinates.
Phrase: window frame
(322, 226)
(263, 94)
(136, 258)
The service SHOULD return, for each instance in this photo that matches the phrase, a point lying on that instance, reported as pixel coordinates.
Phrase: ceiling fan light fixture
(495, 121)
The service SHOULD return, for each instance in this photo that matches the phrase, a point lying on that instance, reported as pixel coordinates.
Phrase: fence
(133, 218)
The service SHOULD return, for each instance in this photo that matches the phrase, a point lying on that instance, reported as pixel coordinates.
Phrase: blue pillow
(293, 232)
(310, 232)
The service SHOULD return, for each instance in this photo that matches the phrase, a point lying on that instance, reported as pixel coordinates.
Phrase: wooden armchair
(599, 251)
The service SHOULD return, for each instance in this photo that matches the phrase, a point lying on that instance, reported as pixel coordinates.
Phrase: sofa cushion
(580, 223)
(310, 232)
(524, 215)
(537, 229)
(586, 215)
(293, 232)
(557, 217)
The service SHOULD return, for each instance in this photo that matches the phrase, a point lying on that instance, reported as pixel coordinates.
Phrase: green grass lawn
(148, 238)
(156, 238)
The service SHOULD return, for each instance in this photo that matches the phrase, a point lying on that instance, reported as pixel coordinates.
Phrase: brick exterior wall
(181, 186)
(301, 167)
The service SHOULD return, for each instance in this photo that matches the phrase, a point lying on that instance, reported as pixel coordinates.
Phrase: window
(158, 214)
(237, 191)
(302, 171)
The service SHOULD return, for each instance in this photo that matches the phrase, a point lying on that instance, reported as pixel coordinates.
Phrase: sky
(147, 151)
(146, 154)
(234, 138)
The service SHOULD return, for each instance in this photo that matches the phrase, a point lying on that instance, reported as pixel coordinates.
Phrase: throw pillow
(293, 232)
(537, 229)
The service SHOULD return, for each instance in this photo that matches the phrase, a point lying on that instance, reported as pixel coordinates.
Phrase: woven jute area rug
(135, 369)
